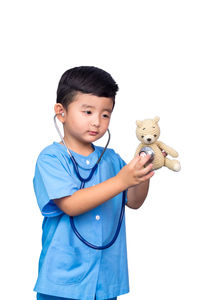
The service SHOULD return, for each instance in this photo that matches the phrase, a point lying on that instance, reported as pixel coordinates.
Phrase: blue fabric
(67, 267)
(47, 297)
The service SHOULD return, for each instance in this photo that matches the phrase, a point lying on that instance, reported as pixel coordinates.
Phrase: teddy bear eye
(142, 136)
(154, 127)
(143, 128)
(155, 135)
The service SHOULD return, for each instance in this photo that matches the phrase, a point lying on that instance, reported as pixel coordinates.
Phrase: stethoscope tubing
(83, 181)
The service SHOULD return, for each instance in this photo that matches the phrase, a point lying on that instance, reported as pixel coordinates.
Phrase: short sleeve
(122, 163)
(117, 159)
(51, 181)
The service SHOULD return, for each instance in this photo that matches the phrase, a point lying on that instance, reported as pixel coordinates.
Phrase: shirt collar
(85, 162)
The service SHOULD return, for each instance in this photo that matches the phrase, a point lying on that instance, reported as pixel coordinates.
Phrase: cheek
(81, 120)
(106, 123)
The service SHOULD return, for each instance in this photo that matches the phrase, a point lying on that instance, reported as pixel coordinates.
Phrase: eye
(87, 112)
(155, 135)
(106, 116)
(154, 127)
(143, 128)
(142, 136)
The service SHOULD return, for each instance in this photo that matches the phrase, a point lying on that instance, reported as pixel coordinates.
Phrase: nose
(95, 121)
(149, 140)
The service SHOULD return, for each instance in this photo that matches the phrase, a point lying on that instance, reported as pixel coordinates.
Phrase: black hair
(87, 80)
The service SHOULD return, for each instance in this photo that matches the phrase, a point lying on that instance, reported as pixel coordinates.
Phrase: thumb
(134, 160)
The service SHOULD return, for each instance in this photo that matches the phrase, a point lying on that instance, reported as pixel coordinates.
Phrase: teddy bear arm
(167, 149)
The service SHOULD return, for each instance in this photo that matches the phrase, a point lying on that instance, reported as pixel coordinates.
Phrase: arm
(137, 194)
(88, 198)
(167, 149)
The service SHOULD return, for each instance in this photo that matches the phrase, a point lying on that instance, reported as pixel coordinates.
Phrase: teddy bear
(148, 132)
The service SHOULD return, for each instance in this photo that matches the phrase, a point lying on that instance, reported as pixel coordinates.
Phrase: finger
(143, 160)
(164, 153)
(145, 170)
(147, 177)
(134, 161)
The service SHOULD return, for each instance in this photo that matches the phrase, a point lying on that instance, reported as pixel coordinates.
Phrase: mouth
(93, 133)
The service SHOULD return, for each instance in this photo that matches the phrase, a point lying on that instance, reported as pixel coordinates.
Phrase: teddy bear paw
(177, 166)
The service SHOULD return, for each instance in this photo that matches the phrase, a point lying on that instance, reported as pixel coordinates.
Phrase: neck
(83, 149)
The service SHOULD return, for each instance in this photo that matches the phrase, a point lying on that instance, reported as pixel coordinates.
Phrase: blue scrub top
(67, 267)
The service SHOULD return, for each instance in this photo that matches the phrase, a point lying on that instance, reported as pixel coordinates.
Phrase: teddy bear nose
(149, 140)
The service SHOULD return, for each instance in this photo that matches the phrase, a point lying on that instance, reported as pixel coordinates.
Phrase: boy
(69, 269)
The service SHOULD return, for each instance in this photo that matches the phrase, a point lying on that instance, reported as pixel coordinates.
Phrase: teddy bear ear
(139, 123)
(156, 119)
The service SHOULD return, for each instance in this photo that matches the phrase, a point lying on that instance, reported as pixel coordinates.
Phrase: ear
(59, 109)
(139, 123)
(156, 119)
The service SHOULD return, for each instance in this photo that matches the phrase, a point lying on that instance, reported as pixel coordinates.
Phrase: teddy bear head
(148, 131)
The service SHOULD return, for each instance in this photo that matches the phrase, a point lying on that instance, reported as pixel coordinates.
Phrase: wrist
(122, 186)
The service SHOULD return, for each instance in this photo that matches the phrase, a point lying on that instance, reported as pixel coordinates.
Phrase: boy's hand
(135, 172)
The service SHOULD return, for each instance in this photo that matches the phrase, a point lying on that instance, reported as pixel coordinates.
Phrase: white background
(152, 50)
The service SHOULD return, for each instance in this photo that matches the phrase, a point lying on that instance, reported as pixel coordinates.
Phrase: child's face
(87, 119)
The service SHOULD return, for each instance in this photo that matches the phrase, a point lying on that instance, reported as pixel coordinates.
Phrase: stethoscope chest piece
(147, 150)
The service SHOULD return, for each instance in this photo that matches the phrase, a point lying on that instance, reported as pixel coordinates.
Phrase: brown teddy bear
(148, 132)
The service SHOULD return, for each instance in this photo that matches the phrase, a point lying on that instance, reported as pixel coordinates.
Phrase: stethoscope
(83, 181)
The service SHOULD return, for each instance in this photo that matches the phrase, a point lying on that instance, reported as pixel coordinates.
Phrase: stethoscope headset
(83, 181)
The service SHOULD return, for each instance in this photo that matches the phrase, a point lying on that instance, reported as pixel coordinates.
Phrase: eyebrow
(90, 106)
